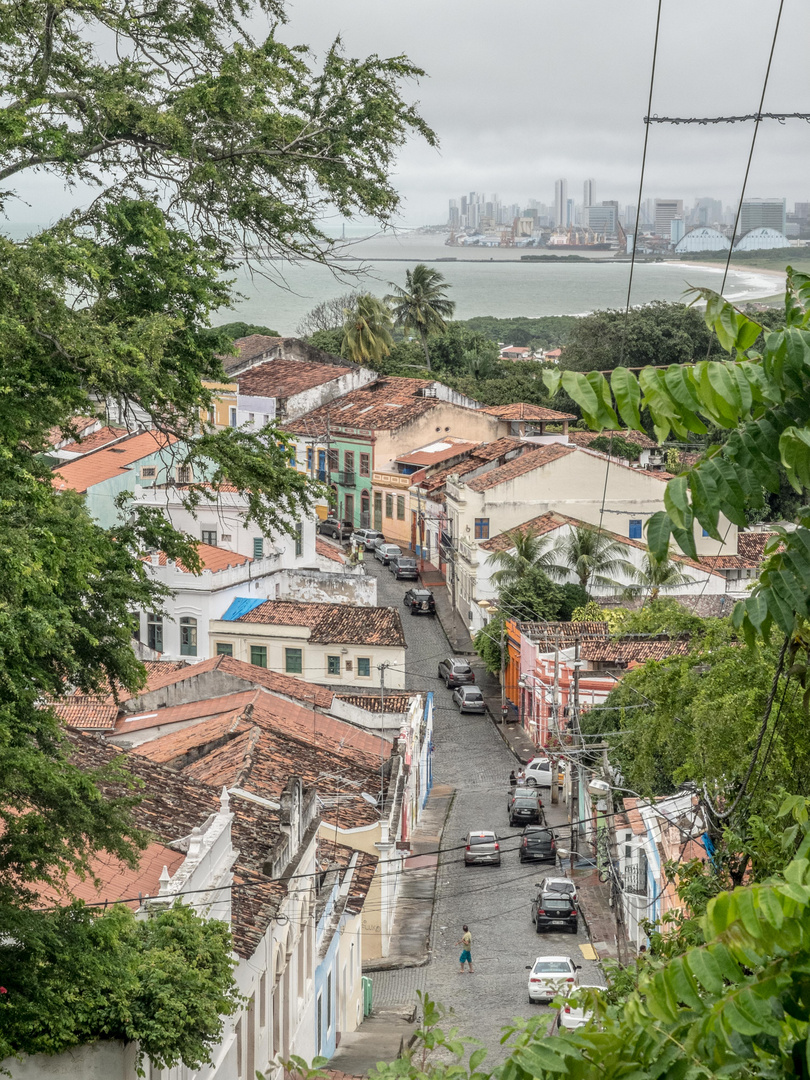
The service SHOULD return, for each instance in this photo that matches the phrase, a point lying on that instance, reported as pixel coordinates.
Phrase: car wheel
(538, 929)
(574, 928)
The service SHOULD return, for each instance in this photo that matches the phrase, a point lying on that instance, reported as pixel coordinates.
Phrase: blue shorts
(465, 955)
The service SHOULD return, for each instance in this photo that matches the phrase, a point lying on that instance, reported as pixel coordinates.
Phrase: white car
(384, 553)
(562, 885)
(573, 1016)
(538, 772)
(552, 976)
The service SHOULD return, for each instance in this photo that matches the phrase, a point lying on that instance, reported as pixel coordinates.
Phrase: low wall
(324, 588)
(97, 1061)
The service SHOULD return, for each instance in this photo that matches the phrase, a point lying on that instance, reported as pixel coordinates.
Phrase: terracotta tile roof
(640, 438)
(178, 748)
(281, 378)
(116, 879)
(103, 464)
(76, 424)
(232, 704)
(93, 442)
(384, 405)
(332, 854)
(523, 411)
(213, 559)
(436, 452)
(564, 632)
(552, 520)
(337, 736)
(297, 689)
(394, 703)
(634, 816)
(333, 623)
(261, 759)
(328, 551)
(751, 545)
(483, 454)
(250, 348)
(526, 463)
(174, 804)
(628, 650)
(86, 711)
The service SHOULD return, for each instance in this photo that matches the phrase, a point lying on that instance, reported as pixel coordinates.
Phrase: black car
(404, 567)
(554, 911)
(456, 673)
(537, 845)
(526, 810)
(522, 790)
(420, 602)
(338, 530)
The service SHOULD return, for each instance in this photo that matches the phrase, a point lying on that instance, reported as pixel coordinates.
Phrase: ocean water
(484, 281)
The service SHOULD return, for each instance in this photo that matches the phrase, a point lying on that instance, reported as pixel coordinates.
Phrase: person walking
(465, 941)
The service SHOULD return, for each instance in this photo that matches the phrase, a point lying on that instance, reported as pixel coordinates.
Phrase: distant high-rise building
(802, 211)
(665, 211)
(630, 216)
(762, 213)
(602, 219)
(454, 217)
(570, 212)
(677, 229)
(561, 202)
(588, 193)
(707, 211)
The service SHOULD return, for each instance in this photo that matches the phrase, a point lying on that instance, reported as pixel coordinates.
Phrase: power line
(758, 116)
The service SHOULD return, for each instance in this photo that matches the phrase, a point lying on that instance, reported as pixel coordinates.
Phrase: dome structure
(704, 238)
(762, 238)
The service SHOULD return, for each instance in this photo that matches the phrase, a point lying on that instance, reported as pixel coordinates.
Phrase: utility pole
(503, 667)
(575, 764)
(382, 668)
(555, 712)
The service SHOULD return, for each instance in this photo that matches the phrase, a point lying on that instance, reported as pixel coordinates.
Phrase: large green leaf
(676, 501)
(659, 529)
(627, 394)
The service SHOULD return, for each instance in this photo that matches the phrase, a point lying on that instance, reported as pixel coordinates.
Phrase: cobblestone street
(494, 901)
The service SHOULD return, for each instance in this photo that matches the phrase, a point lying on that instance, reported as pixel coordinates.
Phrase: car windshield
(485, 839)
(560, 886)
(526, 800)
(407, 562)
(471, 695)
(552, 967)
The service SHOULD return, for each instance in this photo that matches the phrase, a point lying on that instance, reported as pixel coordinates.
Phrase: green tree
(759, 398)
(234, 330)
(659, 333)
(76, 975)
(421, 307)
(202, 145)
(367, 331)
(592, 557)
(526, 551)
(655, 576)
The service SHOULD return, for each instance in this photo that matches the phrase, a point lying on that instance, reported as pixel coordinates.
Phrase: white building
(703, 238)
(761, 240)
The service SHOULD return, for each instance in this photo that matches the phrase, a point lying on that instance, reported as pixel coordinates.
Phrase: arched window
(188, 636)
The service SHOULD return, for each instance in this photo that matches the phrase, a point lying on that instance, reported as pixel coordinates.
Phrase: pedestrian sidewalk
(410, 934)
(512, 733)
(594, 906)
(452, 623)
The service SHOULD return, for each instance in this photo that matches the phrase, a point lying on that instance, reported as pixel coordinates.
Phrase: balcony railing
(345, 479)
(635, 878)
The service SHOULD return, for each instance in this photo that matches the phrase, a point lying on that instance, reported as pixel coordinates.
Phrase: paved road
(494, 901)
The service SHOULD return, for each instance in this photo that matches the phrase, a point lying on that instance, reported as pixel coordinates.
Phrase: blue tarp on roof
(240, 606)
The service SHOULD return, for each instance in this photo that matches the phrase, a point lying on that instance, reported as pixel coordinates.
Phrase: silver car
(469, 699)
(482, 847)
(367, 538)
(386, 552)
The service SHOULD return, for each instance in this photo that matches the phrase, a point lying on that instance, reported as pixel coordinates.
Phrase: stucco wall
(444, 419)
(98, 1061)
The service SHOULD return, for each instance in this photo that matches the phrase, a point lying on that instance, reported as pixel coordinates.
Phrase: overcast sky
(522, 92)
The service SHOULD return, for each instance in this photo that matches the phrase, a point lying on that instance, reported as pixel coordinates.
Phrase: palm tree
(422, 306)
(367, 330)
(656, 575)
(592, 556)
(526, 552)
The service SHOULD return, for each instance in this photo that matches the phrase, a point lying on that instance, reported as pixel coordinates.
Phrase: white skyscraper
(561, 202)
(589, 193)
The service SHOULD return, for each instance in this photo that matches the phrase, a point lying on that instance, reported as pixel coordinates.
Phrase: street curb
(500, 729)
(392, 964)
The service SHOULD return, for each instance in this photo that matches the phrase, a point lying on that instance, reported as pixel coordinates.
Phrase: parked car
(482, 847)
(367, 538)
(537, 844)
(558, 884)
(526, 809)
(520, 789)
(385, 552)
(469, 699)
(420, 601)
(404, 567)
(552, 975)
(539, 772)
(572, 1016)
(553, 910)
(456, 673)
(338, 530)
